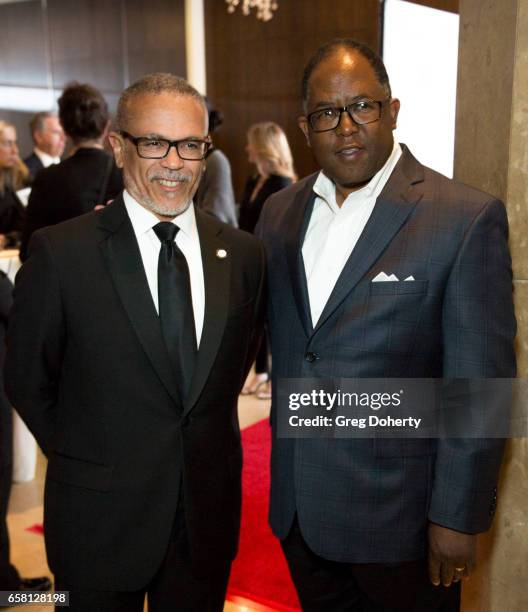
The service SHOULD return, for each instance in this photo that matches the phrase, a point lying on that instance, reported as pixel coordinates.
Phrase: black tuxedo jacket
(88, 370)
(69, 189)
(34, 165)
(367, 500)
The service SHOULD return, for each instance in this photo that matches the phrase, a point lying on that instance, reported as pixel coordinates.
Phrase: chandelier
(264, 8)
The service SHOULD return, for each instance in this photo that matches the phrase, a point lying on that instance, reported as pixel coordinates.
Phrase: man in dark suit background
(49, 139)
(136, 411)
(10, 579)
(87, 177)
(370, 524)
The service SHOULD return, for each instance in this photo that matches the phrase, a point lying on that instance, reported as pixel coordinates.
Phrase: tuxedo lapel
(296, 220)
(395, 203)
(217, 272)
(123, 260)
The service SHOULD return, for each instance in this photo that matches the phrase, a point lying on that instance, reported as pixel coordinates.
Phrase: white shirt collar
(47, 160)
(324, 187)
(144, 220)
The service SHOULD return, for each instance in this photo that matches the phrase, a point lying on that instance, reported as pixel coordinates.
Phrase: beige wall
(491, 152)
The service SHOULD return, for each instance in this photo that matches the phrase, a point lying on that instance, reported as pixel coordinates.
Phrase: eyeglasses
(361, 112)
(158, 148)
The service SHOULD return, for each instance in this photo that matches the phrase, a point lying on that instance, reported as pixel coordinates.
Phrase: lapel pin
(221, 253)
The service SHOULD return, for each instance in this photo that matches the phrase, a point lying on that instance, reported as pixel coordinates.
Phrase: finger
(469, 569)
(459, 572)
(447, 571)
(434, 569)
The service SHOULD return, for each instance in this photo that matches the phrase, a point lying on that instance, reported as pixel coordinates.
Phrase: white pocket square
(409, 278)
(383, 278)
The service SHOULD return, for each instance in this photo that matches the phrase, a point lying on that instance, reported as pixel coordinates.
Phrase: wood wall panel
(444, 5)
(103, 42)
(254, 68)
(155, 37)
(22, 45)
(86, 43)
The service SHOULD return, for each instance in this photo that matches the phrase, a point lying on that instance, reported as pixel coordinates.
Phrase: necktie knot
(166, 231)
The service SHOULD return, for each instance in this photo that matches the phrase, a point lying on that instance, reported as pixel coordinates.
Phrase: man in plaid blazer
(371, 524)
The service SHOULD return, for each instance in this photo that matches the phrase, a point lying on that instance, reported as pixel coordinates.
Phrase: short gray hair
(37, 122)
(155, 83)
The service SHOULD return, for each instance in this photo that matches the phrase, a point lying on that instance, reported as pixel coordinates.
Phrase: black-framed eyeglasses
(157, 148)
(361, 112)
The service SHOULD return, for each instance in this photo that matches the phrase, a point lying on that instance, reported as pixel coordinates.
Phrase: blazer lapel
(123, 259)
(296, 220)
(217, 272)
(395, 203)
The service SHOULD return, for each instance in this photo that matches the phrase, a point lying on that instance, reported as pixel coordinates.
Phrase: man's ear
(302, 122)
(37, 138)
(394, 109)
(118, 147)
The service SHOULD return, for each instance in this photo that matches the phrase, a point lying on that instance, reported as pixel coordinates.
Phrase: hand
(101, 206)
(452, 555)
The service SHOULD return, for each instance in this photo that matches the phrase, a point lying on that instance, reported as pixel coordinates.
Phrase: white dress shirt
(47, 160)
(333, 231)
(188, 241)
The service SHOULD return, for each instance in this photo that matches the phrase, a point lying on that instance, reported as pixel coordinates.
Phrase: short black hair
(216, 118)
(330, 48)
(83, 112)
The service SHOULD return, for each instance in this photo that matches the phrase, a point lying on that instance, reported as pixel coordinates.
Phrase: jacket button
(311, 357)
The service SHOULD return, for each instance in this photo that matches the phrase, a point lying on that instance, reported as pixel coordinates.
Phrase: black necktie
(175, 306)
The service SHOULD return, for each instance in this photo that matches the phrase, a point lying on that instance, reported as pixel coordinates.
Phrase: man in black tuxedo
(131, 333)
(381, 268)
(49, 139)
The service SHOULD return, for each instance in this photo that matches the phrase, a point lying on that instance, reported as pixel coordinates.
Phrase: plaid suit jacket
(369, 501)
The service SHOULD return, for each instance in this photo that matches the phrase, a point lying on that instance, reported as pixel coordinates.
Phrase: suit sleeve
(218, 198)
(35, 342)
(478, 331)
(258, 317)
(36, 212)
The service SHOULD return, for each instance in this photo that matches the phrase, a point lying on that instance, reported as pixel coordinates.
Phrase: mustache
(176, 175)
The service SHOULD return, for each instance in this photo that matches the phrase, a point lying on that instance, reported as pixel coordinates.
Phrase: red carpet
(259, 572)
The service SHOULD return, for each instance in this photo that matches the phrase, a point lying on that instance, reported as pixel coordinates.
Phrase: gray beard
(153, 207)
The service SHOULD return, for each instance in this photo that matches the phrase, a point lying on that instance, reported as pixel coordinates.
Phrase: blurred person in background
(215, 193)
(14, 175)
(10, 579)
(88, 177)
(49, 139)
(268, 149)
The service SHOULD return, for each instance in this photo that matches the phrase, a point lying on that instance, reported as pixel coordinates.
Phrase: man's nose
(172, 159)
(346, 124)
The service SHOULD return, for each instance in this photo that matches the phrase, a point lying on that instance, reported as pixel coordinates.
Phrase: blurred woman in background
(14, 175)
(86, 178)
(267, 147)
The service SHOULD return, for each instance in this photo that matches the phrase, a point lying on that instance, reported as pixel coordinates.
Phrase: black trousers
(262, 357)
(324, 585)
(9, 577)
(178, 585)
